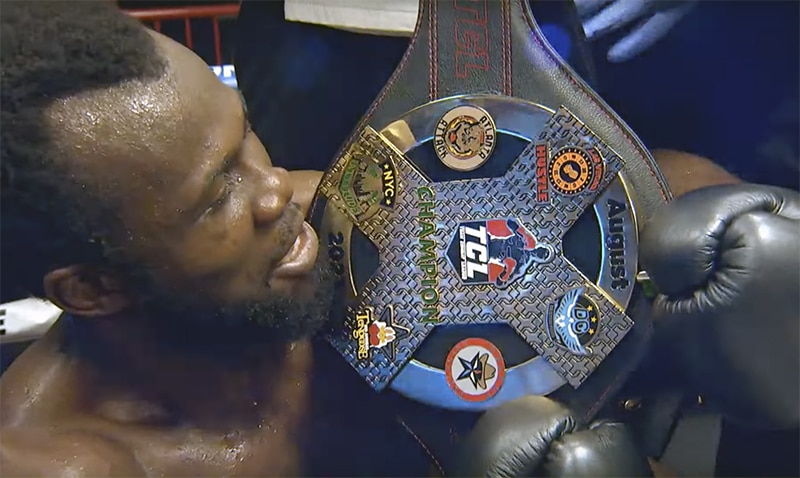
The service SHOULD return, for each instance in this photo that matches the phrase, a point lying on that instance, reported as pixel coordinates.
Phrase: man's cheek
(215, 256)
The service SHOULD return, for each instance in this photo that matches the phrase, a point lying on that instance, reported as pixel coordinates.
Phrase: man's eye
(230, 181)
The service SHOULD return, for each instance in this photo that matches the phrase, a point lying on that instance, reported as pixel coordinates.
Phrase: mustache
(286, 228)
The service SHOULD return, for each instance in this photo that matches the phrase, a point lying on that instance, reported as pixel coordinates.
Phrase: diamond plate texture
(401, 277)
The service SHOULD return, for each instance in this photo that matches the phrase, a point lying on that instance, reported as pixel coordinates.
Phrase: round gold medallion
(570, 171)
(464, 138)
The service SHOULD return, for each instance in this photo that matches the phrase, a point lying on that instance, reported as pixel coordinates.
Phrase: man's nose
(273, 192)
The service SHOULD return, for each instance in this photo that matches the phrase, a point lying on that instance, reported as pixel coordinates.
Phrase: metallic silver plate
(407, 296)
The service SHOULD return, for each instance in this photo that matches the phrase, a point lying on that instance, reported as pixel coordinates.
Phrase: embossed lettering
(471, 37)
(542, 191)
(336, 254)
(388, 183)
(615, 244)
(427, 260)
(363, 319)
(475, 254)
(597, 167)
(438, 138)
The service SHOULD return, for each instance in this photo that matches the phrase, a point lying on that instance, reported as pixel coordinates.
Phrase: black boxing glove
(726, 261)
(535, 436)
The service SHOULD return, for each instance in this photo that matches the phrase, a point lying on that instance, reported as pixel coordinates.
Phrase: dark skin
(165, 141)
(144, 408)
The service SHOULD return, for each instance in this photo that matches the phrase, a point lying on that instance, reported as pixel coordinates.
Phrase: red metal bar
(217, 41)
(213, 12)
(187, 31)
(180, 13)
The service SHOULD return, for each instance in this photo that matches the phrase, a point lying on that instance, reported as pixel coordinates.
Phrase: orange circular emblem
(571, 171)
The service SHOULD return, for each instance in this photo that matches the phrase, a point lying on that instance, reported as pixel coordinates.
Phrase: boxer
(191, 280)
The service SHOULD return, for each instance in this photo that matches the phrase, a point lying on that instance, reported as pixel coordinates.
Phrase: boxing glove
(725, 261)
(536, 436)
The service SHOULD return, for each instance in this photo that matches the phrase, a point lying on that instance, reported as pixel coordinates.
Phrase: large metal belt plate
(485, 248)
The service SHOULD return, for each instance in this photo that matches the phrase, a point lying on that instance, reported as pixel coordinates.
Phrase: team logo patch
(572, 321)
(366, 186)
(376, 334)
(464, 138)
(573, 170)
(475, 369)
(496, 251)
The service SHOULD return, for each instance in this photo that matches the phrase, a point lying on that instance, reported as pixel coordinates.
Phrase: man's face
(216, 231)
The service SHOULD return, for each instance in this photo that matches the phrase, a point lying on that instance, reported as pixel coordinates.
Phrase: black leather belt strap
(483, 46)
(495, 46)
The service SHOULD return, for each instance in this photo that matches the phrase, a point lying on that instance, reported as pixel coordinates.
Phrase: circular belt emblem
(571, 171)
(475, 369)
(464, 138)
(465, 289)
(573, 321)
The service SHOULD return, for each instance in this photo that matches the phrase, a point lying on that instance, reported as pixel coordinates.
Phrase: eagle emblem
(574, 321)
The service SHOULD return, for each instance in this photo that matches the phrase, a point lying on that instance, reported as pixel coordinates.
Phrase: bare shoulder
(686, 172)
(34, 451)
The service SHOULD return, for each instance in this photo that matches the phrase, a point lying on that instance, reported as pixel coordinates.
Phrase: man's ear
(86, 291)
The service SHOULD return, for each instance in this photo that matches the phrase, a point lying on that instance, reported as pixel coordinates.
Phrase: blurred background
(172, 17)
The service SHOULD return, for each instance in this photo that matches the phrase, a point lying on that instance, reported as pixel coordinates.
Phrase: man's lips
(301, 256)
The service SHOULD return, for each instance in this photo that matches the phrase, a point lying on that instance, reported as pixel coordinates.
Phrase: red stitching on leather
(434, 33)
(502, 48)
(412, 45)
(577, 85)
(615, 384)
(431, 60)
(424, 447)
(506, 63)
(509, 55)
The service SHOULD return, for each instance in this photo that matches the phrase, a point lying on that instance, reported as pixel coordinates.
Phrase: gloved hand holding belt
(725, 261)
(536, 436)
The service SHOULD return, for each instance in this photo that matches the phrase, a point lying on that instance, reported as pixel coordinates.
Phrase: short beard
(190, 324)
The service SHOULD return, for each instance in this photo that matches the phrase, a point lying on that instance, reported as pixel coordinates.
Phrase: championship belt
(481, 221)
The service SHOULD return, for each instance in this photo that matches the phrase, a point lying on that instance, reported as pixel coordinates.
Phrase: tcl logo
(471, 37)
(475, 253)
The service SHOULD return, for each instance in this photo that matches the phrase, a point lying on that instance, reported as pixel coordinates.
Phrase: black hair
(50, 51)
